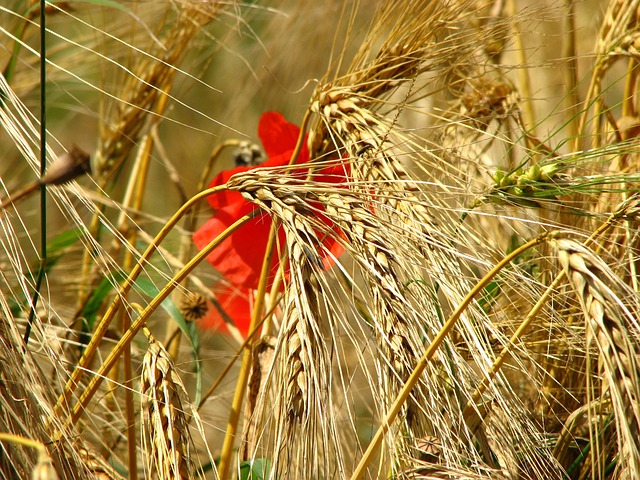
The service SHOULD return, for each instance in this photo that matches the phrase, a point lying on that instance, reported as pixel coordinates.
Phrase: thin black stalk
(43, 168)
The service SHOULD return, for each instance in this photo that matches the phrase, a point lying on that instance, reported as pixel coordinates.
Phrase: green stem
(43, 168)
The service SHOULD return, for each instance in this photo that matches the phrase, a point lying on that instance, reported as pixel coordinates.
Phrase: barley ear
(610, 327)
(166, 441)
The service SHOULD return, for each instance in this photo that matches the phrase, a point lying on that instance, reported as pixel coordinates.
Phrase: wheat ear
(303, 390)
(612, 326)
(166, 441)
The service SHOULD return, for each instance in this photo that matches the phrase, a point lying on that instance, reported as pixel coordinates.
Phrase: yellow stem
(523, 72)
(243, 376)
(628, 102)
(140, 175)
(570, 69)
(230, 364)
(299, 143)
(232, 425)
(506, 350)
(592, 96)
(101, 329)
(400, 400)
(186, 245)
(27, 442)
(137, 325)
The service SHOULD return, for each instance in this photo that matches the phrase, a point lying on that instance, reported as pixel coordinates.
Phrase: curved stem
(26, 442)
(299, 143)
(395, 408)
(101, 329)
(172, 330)
(506, 350)
(134, 200)
(231, 362)
(140, 322)
(469, 409)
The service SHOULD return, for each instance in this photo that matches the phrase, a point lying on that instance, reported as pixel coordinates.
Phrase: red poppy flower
(239, 258)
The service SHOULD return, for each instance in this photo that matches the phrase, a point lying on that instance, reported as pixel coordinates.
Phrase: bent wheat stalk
(139, 323)
(446, 329)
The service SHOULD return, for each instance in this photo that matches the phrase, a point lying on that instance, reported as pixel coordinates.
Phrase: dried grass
(454, 155)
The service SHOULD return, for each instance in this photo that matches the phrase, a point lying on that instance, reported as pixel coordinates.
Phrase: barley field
(351, 240)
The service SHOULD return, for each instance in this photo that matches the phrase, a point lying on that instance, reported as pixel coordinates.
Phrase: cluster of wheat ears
(481, 320)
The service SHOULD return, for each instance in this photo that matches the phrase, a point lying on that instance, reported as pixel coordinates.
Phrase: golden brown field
(289, 240)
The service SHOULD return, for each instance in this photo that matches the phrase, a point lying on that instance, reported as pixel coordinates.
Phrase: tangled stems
(102, 327)
(430, 351)
(140, 322)
(619, 213)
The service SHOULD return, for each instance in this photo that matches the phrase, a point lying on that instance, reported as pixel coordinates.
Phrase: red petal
(225, 197)
(277, 135)
(237, 306)
(239, 257)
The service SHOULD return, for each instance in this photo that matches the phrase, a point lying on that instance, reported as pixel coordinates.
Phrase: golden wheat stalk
(612, 326)
(262, 362)
(618, 37)
(304, 422)
(26, 400)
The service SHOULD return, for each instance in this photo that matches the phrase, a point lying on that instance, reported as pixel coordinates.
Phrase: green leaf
(91, 308)
(257, 469)
(488, 295)
(148, 288)
(57, 245)
(64, 240)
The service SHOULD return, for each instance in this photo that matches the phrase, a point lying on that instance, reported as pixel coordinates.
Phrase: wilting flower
(239, 257)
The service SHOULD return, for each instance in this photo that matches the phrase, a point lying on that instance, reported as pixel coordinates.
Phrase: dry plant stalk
(262, 362)
(140, 103)
(25, 402)
(397, 231)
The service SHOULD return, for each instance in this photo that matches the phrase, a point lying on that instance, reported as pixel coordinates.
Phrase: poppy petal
(277, 135)
(239, 257)
(236, 304)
